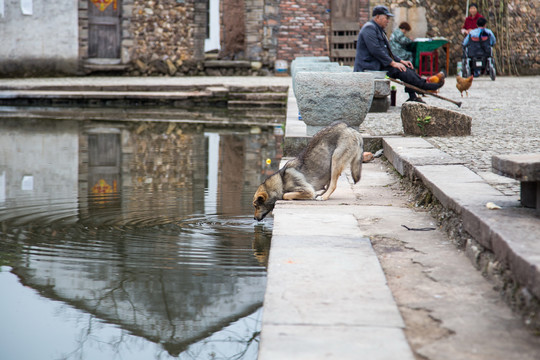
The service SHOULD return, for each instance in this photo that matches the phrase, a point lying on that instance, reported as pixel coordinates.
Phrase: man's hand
(407, 64)
(398, 66)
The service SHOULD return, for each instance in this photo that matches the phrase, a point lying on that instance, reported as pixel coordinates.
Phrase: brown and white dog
(317, 168)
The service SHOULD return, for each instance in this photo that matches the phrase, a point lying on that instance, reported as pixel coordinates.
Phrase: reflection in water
(134, 235)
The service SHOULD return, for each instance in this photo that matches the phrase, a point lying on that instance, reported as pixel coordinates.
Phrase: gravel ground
(506, 120)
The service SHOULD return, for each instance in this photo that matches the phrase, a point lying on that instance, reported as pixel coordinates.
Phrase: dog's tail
(356, 162)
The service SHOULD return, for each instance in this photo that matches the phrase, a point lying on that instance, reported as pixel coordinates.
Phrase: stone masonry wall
(167, 36)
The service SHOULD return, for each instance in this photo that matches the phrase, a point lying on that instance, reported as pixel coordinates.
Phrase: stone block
(379, 104)
(316, 66)
(382, 88)
(325, 97)
(423, 120)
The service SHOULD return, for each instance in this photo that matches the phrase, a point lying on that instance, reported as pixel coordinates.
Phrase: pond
(131, 240)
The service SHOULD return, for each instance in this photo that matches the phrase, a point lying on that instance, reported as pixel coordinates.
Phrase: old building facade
(230, 37)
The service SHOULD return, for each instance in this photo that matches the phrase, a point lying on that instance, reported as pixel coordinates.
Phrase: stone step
(238, 104)
(258, 96)
(258, 89)
(108, 87)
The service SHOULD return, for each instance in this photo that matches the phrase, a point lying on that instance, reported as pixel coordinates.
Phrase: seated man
(479, 42)
(373, 53)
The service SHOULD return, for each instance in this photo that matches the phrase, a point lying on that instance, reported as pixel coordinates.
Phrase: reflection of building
(118, 223)
(40, 158)
(144, 286)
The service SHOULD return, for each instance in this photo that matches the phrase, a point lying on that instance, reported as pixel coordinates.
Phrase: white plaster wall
(50, 32)
(416, 17)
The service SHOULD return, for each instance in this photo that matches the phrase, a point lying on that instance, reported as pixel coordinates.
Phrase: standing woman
(400, 44)
(470, 21)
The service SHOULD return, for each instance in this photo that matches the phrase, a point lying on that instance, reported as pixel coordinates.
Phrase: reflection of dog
(318, 167)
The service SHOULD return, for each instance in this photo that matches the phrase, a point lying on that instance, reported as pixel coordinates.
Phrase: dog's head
(263, 203)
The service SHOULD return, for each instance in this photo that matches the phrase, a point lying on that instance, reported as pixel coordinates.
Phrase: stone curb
(510, 233)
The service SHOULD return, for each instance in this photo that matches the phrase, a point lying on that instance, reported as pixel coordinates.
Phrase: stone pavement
(506, 120)
(317, 303)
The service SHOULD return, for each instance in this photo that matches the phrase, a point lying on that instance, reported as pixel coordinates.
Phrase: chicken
(463, 84)
(437, 78)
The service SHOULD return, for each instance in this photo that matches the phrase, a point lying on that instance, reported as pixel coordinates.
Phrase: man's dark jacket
(372, 49)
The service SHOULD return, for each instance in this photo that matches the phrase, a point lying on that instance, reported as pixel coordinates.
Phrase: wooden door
(344, 30)
(104, 28)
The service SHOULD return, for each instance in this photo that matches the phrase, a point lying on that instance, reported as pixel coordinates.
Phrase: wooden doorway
(344, 30)
(104, 29)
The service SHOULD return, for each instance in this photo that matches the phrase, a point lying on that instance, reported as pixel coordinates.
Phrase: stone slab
(526, 169)
(511, 233)
(456, 187)
(419, 153)
(522, 167)
(340, 342)
(326, 280)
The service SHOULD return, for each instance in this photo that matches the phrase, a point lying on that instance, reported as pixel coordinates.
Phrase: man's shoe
(417, 99)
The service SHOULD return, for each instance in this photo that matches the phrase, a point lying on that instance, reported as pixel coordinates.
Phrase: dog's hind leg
(299, 195)
(336, 170)
(356, 165)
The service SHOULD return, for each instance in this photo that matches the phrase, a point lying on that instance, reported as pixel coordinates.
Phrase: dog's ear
(262, 197)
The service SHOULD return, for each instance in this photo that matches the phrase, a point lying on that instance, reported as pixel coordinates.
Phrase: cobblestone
(506, 120)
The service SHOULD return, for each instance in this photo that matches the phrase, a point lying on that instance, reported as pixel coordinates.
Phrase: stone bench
(526, 169)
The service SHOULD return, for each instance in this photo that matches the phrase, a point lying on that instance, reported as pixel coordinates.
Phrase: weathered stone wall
(522, 46)
(514, 22)
(166, 37)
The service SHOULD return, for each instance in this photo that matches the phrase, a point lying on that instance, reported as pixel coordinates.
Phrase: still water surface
(131, 240)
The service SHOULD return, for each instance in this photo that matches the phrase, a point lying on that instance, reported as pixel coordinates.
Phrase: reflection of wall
(258, 149)
(166, 156)
(46, 152)
(242, 167)
(231, 164)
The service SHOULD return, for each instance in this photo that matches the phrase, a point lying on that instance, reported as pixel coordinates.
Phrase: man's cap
(381, 10)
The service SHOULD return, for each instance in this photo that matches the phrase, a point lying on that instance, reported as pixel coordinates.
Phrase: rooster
(463, 84)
